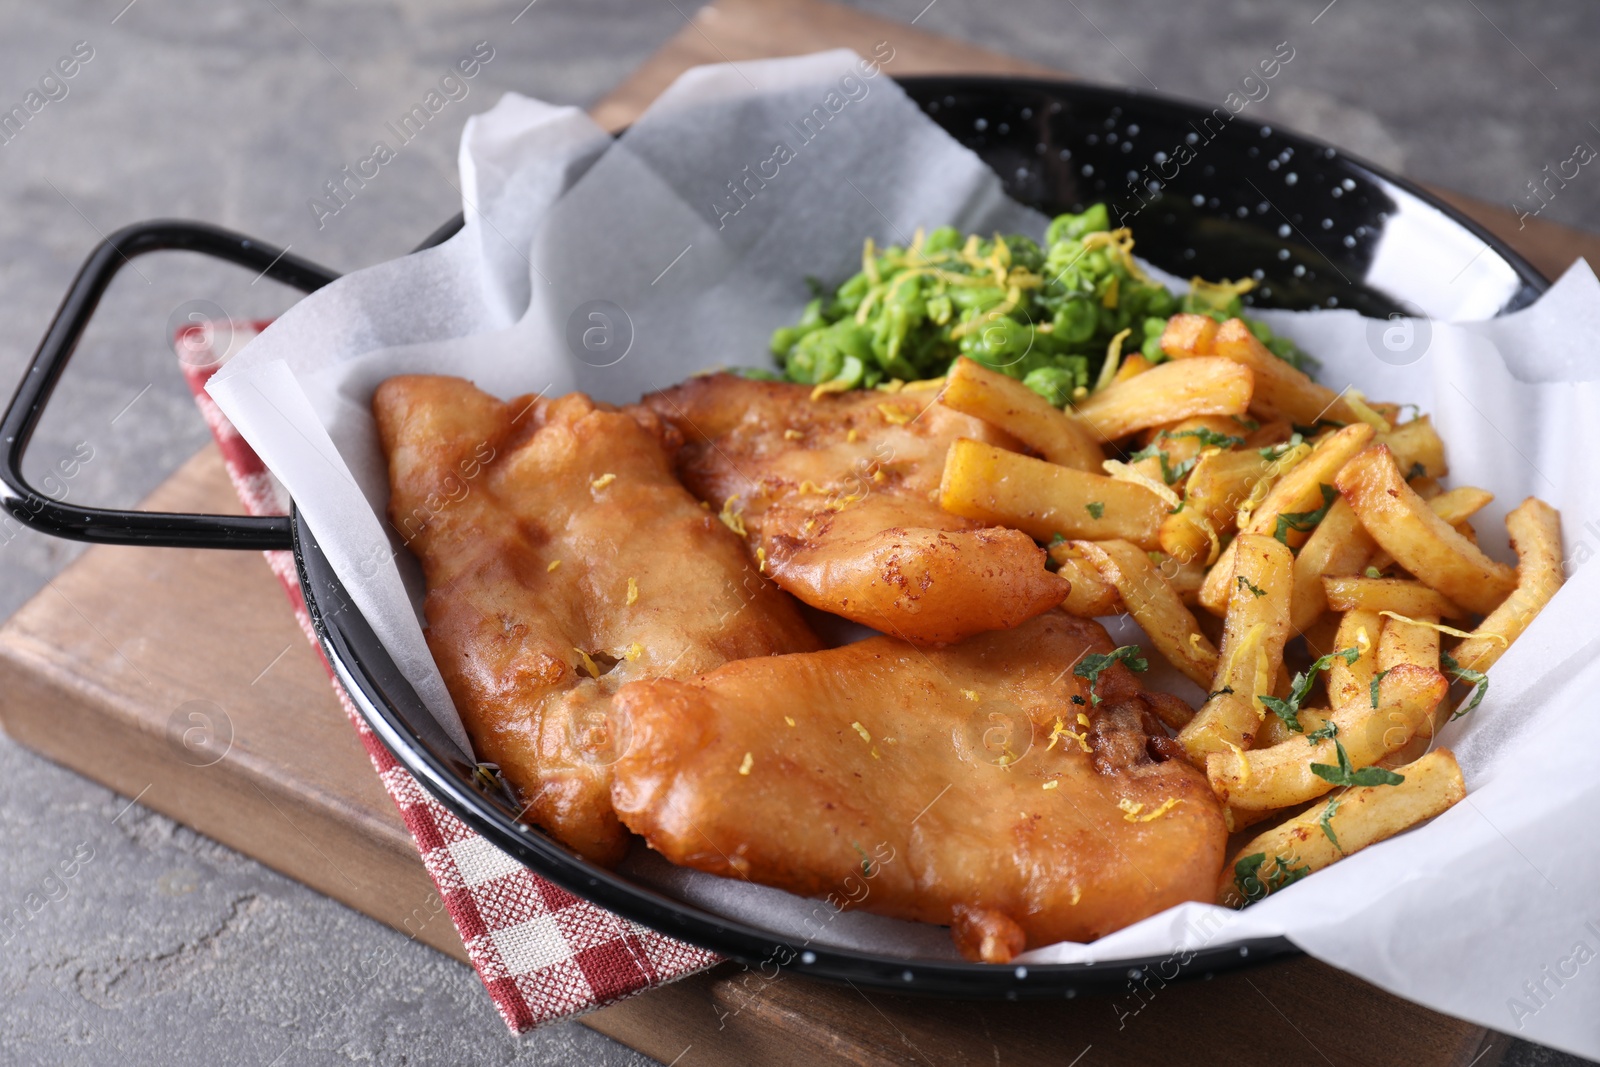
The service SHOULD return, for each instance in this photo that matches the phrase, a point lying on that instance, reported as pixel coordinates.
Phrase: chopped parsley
(1220, 692)
(1245, 583)
(1325, 821)
(1078, 700)
(1417, 471)
(1277, 451)
(1254, 885)
(1477, 679)
(1248, 423)
(1311, 431)
(1095, 508)
(1305, 520)
(1373, 572)
(1092, 665)
(1207, 438)
(1377, 679)
(1344, 774)
(1169, 473)
(1323, 732)
(1056, 539)
(1289, 709)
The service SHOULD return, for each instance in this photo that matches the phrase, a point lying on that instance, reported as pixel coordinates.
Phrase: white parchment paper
(690, 238)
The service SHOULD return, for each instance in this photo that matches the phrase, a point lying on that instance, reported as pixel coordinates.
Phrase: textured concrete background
(167, 948)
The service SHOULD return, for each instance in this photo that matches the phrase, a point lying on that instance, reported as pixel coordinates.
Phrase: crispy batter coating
(563, 559)
(839, 498)
(958, 784)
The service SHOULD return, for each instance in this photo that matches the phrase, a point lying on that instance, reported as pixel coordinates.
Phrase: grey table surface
(166, 947)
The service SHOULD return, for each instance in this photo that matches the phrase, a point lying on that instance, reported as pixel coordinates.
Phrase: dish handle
(105, 525)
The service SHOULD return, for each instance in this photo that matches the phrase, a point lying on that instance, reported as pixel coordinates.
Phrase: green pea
(1055, 384)
(1076, 321)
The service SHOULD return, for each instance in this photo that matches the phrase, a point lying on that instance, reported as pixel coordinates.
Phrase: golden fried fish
(838, 496)
(563, 559)
(980, 785)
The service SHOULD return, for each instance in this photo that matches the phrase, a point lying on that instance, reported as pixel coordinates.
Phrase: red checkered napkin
(542, 953)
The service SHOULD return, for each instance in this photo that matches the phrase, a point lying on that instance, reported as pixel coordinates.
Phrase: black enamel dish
(1317, 228)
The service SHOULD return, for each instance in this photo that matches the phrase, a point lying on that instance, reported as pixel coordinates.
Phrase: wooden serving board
(276, 772)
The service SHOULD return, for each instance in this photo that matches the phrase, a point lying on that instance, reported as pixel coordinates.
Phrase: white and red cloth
(543, 954)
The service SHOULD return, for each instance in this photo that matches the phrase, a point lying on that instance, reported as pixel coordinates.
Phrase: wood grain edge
(245, 804)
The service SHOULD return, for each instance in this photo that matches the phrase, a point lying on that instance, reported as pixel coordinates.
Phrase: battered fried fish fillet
(968, 784)
(839, 498)
(563, 559)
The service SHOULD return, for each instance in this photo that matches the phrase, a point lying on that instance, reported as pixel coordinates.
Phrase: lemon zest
(1108, 369)
(862, 730)
(832, 385)
(733, 520)
(1244, 761)
(590, 668)
(1124, 473)
(1055, 733)
(1357, 402)
(633, 652)
(1051, 784)
(553, 565)
(749, 761)
(633, 591)
(788, 720)
(894, 415)
(1451, 630)
(1166, 806)
(603, 481)
(1249, 641)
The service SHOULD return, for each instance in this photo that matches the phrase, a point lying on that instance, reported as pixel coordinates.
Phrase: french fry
(1155, 606)
(1414, 642)
(1091, 595)
(1338, 546)
(1044, 499)
(1351, 683)
(1236, 819)
(1179, 443)
(1416, 444)
(1535, 529)
(1321, 635)
(1280, 390)
(1427, 488)
(1281, 776)
(1256, 627)
(1217, 486)
(1268, 434)
(1189, 335)
(1003, 401)
(1185, 578)
(1134, 365)
(1274, 731)
(1297, 492)
(1348, 823)
(1168, 392)
(1421, 542)
(1457, 505)
(1349, 593)
(1454, 506)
